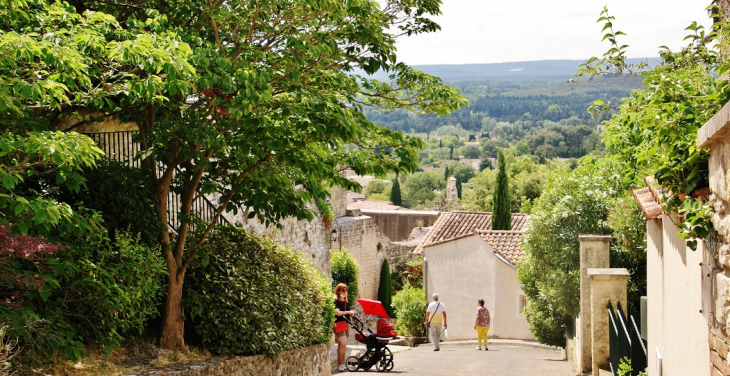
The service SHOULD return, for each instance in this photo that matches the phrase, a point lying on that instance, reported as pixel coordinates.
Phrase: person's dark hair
(481, 302)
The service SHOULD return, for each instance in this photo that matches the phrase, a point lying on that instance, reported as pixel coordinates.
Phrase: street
(454, 360)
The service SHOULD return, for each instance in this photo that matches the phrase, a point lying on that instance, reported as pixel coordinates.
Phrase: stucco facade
(464, 270)
(678, 297)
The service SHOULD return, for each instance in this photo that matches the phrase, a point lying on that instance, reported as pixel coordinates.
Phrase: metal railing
(121, 146)
(625, 340)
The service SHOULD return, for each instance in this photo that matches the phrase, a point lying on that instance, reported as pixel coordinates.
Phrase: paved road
(454, 360)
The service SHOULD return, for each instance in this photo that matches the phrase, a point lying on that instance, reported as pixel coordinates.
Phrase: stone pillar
(451, 191)
(594, 253)
(607, 285)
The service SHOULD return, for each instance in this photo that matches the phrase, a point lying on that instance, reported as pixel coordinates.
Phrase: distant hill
(539, 68)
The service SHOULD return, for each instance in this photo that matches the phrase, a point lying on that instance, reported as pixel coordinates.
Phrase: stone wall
(397, 225)
(714, 135)
(362, 238)
(308, 361)
(311, 238)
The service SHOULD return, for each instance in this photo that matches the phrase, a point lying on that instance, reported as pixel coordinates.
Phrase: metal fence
(625, 340)
(122, 146)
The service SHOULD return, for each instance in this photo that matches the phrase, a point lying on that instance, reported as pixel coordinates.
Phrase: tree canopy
(259, 103)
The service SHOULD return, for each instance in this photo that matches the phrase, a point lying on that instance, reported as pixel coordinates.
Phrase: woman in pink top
(482, 325)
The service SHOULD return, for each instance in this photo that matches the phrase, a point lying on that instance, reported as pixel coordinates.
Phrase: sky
(497, 31)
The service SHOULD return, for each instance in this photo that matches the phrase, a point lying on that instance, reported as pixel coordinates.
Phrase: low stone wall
(308, 361)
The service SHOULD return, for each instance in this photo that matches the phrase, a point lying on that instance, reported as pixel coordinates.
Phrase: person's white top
(436, 316)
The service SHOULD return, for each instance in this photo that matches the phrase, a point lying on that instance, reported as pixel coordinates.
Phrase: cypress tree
(441, 143)
(501, 213)
(385, 289)
(458, 188)
(446, 174)
(451, 152)
(395, 193)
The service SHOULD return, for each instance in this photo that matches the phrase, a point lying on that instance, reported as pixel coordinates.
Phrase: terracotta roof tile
(648, 200)
(457, 224)
(507, 243)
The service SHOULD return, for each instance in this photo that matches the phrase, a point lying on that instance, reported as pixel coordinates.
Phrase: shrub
(385, 290)
(8, 350)
(410, 307)
(246, 295)
(124, 195)
(328, 311)
(408, 272)
(109, 289)
(92, 290)
(344, 270)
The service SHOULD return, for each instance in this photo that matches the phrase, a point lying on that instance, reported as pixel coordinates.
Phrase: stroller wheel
(352, 363)
(386, 362)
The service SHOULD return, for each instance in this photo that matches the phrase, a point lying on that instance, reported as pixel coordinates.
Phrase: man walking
(435, 319)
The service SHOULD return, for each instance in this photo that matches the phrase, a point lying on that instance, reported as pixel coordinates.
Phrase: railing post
(606, 285)
(594, 253)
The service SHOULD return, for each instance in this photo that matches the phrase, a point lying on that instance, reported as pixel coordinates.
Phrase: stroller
(377, 352)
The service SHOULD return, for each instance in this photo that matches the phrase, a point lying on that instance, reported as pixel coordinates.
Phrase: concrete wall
(677, 294)
(397, 225)
(466, 270)
(308, 361)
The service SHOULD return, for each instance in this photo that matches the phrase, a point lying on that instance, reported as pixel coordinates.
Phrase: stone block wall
(362, 238)
(308, 361)
(311, 238)
(714, 135)
(397, 225)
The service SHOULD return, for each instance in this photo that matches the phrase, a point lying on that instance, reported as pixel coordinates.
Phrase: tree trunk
(171, 331)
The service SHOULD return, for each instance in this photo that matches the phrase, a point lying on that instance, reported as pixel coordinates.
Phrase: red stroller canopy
(373, 307)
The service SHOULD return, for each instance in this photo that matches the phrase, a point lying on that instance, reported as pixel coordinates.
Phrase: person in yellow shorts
(482, 325)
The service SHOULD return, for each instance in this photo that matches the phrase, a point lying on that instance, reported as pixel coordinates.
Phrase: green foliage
(124, 195)
(420, 187)
(377, 187)
(485, 164)
(502, 214)
(61, 156)
(326, 211)
(410, 307)
(408, 272)
(53, 56)
(250, 296)
(395, 195)
(628, 249)
(328, 311)
(344, 270)
(109, 289)
(8, 351)
(385, 290)
(458, 188)
(447, 173)
(573, 203)
(655, 131)
(95, 290)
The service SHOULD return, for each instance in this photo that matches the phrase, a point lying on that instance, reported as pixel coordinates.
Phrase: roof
(648, 200)
(507, 244)
(458, 224)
